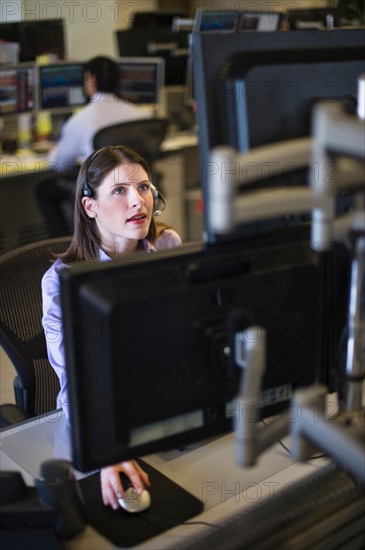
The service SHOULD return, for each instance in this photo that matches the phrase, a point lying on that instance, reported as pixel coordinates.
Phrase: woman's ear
(89, 206)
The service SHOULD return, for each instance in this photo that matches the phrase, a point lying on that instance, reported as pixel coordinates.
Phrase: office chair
(143, 136)
(21, 333)
(55, 196)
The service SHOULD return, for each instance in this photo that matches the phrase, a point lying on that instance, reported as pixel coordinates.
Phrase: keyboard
(325, 510)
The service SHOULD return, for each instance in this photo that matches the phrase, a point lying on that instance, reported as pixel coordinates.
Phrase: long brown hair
(85, 243)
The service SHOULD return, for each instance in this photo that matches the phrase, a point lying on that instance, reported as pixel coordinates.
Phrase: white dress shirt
(76, 141)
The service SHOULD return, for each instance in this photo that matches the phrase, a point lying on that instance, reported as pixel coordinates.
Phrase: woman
(113, 217)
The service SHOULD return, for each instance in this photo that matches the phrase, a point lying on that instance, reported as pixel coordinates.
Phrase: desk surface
(27, 161)
(206, 470)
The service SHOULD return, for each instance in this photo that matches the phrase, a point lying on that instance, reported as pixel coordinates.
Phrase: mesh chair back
(21, 332)
(144, 136)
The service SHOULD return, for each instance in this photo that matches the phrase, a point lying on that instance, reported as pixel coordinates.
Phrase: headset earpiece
(86, 189)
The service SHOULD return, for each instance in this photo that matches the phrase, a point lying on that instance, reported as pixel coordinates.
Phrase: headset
(159, 203)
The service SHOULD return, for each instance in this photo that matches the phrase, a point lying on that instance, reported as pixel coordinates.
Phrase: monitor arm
(335, 133)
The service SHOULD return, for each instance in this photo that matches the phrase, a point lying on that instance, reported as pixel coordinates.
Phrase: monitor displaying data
(61, 86)
(142, 80)
(172, 46)
(17, 89)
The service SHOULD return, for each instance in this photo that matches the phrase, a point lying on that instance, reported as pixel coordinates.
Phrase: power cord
(314, 457)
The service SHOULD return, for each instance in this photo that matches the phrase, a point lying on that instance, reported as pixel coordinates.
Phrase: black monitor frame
(147, 343)
(234, 74)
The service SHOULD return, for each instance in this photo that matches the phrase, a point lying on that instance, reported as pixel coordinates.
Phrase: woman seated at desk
(114, 206)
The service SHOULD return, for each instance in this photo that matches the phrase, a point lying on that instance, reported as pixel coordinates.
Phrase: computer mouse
(133, 502)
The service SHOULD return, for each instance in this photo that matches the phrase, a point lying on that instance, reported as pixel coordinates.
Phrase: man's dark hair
(106, 72)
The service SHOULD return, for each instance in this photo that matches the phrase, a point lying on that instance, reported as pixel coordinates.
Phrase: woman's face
(122, 207)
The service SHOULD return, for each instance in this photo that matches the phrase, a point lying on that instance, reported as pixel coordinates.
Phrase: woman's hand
(111, 486)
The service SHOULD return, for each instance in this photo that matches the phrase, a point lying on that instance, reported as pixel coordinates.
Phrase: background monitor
(147, 343)
(17, 89)
(142, 80)
(173, 47)
(220, 20)
(61, 86)
(36, 38)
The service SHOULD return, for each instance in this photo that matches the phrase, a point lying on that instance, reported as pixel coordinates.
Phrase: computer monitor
(142, 80)
(17, 89)
(172, 46)
(148, 344)
(218, 20)
(61, 86)
(257, 88)
(36, 38)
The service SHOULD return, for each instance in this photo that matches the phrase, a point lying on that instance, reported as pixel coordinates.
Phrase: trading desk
(21, 222)
(206, 470)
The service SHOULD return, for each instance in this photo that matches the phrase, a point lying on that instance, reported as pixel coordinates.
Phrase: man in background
(105, 108)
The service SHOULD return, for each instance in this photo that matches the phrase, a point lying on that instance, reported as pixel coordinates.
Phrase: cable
(147, 517)
(314, 457)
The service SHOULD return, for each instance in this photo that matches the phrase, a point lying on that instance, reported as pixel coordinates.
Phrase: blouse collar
(143, 244)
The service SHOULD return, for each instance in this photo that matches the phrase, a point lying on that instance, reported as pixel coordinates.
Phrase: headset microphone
(159, 203)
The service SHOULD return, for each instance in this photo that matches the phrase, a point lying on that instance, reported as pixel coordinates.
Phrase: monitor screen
(61, 86)
(17, 89)
(172, 46)
(142, 80)
(221, 20)
(148, 343)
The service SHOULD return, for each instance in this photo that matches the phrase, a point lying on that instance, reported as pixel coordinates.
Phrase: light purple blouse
(52, 318)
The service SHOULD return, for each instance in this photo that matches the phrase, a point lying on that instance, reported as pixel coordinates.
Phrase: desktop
(17, 89)
(148, 343)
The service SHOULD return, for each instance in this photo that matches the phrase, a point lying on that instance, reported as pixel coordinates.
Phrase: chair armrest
(12, 414)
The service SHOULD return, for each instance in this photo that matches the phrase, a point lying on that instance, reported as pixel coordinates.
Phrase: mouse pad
(170, 505)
